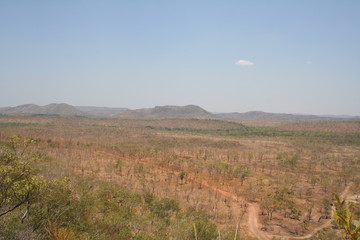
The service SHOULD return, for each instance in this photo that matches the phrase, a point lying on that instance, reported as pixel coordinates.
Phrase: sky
(282, 56)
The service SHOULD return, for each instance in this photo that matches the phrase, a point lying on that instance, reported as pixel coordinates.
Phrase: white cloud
(308, 62)
(244, 63)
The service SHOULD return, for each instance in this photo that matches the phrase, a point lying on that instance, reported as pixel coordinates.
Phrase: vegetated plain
(189, 178)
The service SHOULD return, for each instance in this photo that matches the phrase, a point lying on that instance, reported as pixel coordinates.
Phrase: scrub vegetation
(102, 178)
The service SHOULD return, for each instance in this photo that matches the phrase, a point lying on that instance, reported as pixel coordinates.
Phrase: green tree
(19, 184)
(28, 201)
(241, 173)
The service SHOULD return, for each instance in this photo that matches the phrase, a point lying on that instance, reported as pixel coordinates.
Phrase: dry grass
(348, 127)
(144, 159)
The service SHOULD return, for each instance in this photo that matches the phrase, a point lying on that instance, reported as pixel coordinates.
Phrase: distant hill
(263, 116)
(101, 111)
(51, 109)
(167, 112)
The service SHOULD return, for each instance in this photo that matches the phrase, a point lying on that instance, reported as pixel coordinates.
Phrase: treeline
(337, 138)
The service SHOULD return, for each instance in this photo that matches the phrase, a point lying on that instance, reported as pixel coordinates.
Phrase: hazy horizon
(214, 112)
(230, 56)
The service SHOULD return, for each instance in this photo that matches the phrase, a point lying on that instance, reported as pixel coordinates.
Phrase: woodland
(67, 178)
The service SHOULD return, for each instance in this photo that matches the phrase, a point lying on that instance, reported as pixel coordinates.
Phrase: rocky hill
(166, 112)
(51, 109)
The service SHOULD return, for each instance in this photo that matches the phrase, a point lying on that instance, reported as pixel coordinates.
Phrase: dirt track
(254, 226)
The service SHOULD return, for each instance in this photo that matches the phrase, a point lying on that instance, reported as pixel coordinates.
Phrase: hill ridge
(50, 109)
(166, 112)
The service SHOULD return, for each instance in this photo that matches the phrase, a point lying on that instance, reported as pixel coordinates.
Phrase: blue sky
(297, 56)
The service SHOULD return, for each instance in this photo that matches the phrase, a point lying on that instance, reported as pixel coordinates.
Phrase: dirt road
(254, 226)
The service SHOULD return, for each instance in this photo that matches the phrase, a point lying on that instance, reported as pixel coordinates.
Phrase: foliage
(28, 201)
(196, 226)
(280, 199)
(18, 183)
(338, 138)
(344, 218)
(131, 156)
(182, 176)
(36, 207)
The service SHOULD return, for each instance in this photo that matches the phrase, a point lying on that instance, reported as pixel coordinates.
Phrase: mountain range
(163, 112)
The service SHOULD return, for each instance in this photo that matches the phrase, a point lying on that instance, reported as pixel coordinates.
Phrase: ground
(228, 169)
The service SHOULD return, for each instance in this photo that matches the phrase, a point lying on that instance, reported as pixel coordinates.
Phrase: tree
(19, 184)
(241, 173)
(269, 205)
(281, 199)
(29, 203)
(182, 176)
